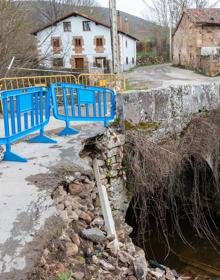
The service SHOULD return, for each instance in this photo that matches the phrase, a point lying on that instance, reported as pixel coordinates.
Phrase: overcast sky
(134, 7)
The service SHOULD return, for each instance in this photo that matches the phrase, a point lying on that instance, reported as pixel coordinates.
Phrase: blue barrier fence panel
(79, 103)
(24, 112)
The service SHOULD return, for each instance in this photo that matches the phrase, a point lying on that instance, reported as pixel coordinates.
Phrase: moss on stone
(141, 126)
(115, 123)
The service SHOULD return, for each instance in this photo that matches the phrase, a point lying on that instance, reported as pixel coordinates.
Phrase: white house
(79, 41)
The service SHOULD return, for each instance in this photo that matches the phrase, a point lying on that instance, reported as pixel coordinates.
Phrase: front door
(101, 62)
(79, 63)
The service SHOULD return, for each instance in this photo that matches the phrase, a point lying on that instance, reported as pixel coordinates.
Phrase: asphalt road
(163, 75)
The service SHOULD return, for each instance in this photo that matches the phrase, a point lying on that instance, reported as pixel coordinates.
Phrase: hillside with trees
(19, 18)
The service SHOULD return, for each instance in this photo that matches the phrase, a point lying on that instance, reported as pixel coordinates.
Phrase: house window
(67, 26)
(56, 45)
(86, 26)
(58, 62)
(78, 42)
(126, 60)
(99, 42)
(133, 60)
(126, 43)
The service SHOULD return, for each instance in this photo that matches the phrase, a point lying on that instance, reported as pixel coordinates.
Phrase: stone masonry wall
(185, 42)
(188, 41)
(111, 171)
(170, 107)
(210, 65)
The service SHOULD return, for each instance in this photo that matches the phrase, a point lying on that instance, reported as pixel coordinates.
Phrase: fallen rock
(130, 248)
(85, 217)
(1, 153)
(132, 278)
(78, 275)
(101, 162)
(79, 226)
(94, 235)
(64, 215)
(169, 274)
(92, 268)
(175, 273)
(111, 238)
(75, 188)
(73, 216)
(158, 273)
(43, 261)
(46, 252)
(107, 266)
(71, 249)
(95, 260)
(124, 257)
(60, 267)
(97, 222)
(140, 265)
(123, 272)
(75, 239)
(60, 206)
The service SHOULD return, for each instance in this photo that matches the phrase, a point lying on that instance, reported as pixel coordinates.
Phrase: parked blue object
(73, 102)
(24, 112)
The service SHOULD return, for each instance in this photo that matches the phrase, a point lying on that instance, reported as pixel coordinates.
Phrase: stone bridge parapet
(172, 107)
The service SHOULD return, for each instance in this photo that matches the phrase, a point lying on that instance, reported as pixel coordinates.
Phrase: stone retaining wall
(171, 107)
(111, 171)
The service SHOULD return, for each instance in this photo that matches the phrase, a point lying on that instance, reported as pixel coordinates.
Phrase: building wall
(197, 47)
(210, 36)
(128, 52)
(68, 51)
(210, 65)
(88, 51)
(186, 42)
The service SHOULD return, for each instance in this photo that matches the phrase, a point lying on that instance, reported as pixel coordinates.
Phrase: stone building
(196, 41)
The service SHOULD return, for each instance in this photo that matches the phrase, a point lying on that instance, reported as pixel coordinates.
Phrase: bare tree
(201, 3)
(15, 40)
(167, 12)
(52, 9)
(162, 10)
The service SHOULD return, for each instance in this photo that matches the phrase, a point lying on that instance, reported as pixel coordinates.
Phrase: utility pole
(114, 36)
(171, 6)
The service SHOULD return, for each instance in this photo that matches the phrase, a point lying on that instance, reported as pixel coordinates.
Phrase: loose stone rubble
(84, 250)
(1, 153)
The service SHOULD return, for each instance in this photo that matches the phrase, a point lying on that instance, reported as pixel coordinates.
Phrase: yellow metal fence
(22, 82)
(104, 80)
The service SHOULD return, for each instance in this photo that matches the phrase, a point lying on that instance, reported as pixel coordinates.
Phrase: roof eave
(81, 15)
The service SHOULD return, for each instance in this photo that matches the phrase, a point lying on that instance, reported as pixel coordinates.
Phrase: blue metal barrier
(80, 103)
(24, 112)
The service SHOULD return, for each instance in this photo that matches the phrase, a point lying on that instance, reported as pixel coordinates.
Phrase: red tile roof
(77, 13)
(206, 16)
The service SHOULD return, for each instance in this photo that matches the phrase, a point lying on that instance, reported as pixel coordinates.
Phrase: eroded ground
(25, 197)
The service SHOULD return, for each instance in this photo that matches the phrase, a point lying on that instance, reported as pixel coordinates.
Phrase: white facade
(88, 51)
(128, 52)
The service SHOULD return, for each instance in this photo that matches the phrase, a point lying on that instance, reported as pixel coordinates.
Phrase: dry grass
(172, 180)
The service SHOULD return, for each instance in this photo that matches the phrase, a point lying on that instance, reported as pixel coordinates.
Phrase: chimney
(119, 21)
(126, 25)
